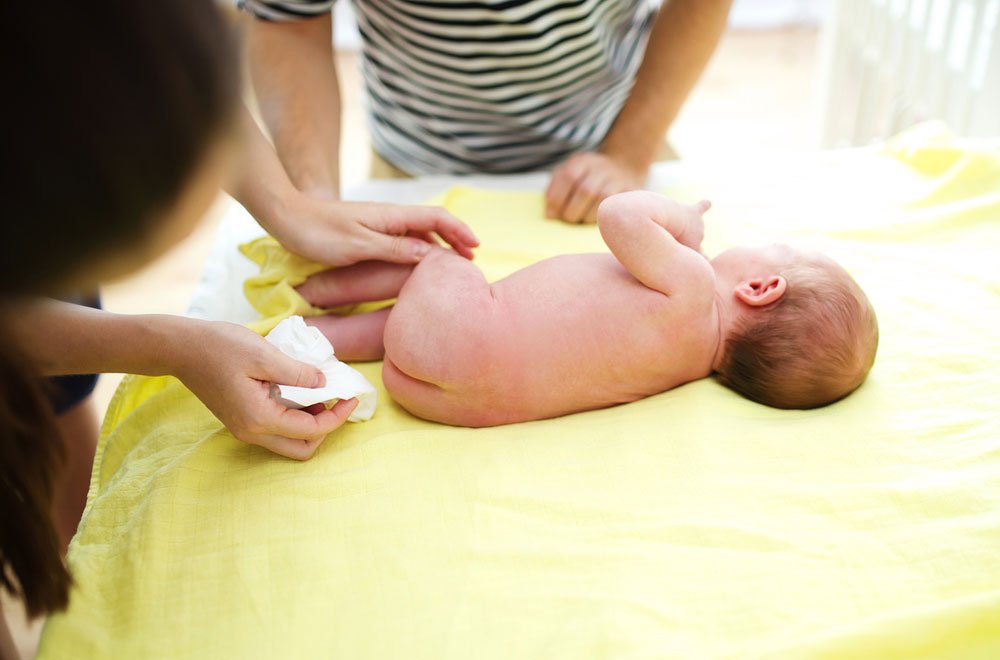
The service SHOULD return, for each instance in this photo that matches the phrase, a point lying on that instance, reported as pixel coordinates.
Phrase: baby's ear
(761, 291)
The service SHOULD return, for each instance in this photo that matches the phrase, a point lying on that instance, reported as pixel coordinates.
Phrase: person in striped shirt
(587, 87)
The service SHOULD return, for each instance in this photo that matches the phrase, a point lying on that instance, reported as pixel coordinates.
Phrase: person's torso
(496, 85)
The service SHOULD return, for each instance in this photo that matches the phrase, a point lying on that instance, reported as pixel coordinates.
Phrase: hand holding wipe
(301, 342)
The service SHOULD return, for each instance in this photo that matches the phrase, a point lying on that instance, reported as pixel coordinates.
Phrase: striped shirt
(495, 86)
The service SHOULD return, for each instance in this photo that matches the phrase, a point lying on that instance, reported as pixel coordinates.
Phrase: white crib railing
(891, 63)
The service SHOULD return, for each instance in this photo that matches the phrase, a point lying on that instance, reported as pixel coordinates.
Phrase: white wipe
(297, 340)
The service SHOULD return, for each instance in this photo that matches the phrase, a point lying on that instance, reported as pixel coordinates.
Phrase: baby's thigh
(443, 314)
(418, 397)
(455, 406)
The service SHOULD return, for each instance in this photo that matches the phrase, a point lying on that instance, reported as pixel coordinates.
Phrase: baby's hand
(694, 225)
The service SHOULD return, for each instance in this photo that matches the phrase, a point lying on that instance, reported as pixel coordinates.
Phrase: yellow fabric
(274, 288)
(693, 524)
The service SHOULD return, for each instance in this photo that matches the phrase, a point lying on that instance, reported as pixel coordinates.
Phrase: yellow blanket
(693, 524)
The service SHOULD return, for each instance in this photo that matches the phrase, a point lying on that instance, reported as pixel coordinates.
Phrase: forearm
(682, 41)
(62, 338)
(647, 233)
(635, 216)
(295, 80)
(263, 186)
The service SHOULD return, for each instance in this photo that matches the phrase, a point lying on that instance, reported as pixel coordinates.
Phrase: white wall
(760, 14)
(746, 14)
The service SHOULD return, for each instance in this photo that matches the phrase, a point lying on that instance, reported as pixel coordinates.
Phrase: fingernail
(320, 379)
(420, 250)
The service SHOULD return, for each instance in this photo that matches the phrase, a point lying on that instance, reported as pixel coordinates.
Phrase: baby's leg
(355, 338)
(419, 397)
(436, 332)
(363, 282)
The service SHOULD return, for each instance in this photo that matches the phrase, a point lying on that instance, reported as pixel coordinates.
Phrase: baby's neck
(726, 313)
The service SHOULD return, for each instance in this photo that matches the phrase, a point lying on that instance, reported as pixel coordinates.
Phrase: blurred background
(789, 75)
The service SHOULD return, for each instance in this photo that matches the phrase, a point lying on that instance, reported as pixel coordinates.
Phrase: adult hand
(583, 181)
(231, 369)
(338, 233)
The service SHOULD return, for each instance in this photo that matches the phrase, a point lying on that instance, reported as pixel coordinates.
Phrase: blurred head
(114, 118)
(802, 333)
(114, 126)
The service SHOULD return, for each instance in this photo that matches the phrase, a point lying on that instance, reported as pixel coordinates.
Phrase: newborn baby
(783, 327)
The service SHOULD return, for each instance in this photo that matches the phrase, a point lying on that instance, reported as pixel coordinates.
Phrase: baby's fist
(694, 224)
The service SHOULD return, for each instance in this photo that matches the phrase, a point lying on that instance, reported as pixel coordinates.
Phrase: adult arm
(658, 241)
(292, 188)
(295, 79)
(227, 366)
(332, 232)
(683, 38)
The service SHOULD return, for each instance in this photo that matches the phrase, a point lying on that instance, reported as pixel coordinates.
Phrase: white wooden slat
(889, 63)
(986, 116)
(965, 91)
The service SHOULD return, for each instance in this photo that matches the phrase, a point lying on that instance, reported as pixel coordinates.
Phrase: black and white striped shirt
(461, 86)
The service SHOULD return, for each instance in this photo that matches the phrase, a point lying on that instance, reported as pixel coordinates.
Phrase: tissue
(297, 340)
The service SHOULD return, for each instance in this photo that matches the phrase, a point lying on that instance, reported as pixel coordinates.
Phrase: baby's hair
(815, 345)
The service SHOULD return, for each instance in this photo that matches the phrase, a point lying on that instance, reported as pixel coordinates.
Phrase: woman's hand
(583, 181)
(227, 366)
(231, 368)
(338, 233)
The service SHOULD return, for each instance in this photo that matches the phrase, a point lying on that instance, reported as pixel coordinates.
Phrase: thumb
(284, 370)
(397, 249)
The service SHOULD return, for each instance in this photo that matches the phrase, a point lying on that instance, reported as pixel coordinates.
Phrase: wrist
(174, 343)
(635, 159)
(271, 205)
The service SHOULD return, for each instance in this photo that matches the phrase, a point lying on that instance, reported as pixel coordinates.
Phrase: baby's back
(571, 333)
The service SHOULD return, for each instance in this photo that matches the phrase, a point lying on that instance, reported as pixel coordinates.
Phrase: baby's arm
(657, 240)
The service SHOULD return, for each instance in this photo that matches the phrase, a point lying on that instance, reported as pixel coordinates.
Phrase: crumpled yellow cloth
(693, 524)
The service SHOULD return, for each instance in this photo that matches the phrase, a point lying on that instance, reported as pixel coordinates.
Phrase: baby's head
(798, 330)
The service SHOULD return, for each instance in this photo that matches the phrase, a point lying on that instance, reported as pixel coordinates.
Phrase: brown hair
(30, 450)
(812, 347)
(112, 109)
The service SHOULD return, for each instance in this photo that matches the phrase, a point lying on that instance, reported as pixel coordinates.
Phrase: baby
(783, 327)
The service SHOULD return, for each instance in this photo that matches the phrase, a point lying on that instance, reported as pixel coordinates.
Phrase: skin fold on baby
(585, 331)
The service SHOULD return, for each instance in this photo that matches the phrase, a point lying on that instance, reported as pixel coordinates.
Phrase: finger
(564, 180)
(300, 450)
(431, 218)
(457, 244)
(424, 236)
(276, 367)
(301, 425)
(460, 238)
(584, 197)
(397, 249)
(607, 190)
(343, 409)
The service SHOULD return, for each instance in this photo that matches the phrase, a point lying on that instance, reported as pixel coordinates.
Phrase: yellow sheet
(693, 524)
